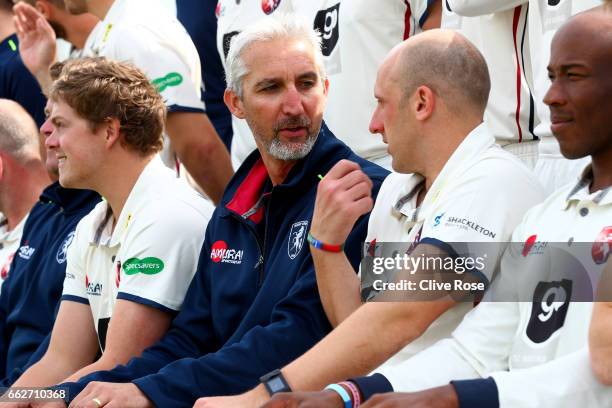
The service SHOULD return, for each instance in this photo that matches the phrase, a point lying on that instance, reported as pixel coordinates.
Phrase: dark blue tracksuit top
(253, 305)
(31, 293)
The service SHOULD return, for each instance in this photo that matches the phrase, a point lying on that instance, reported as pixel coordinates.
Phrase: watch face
(276, 385)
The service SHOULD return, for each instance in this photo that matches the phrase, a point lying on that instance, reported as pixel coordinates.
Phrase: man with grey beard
(253, 304)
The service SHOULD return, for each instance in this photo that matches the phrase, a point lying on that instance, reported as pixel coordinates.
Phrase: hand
(111, 395)
(251, 399)
(440, 397)
(344, 195)
(36, 38)
(321, 399)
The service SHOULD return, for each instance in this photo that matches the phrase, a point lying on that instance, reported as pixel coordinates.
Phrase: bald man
(22, 177)
(533, 352)
(447, 161)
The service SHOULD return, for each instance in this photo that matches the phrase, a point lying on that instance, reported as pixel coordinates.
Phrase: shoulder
(499, 172)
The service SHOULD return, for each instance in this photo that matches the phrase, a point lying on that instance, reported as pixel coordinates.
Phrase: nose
(48, 131)
(293, 103)
(376, 123)
(555, 94)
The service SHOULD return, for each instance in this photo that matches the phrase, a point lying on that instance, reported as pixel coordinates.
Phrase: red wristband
(323, 246)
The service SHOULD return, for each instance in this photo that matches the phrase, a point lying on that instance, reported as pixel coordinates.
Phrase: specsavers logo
(221, 254)
(146, 266)
(172, 79)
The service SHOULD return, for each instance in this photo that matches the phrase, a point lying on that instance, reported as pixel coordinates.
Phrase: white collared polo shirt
(147, 35)
(9, 243)
(535, 348)
(151, 255)
(480, 196)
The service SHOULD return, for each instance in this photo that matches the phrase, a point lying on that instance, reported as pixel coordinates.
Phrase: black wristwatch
(275, 382)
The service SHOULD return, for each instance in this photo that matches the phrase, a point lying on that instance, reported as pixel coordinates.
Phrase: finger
(44, 26)
(363, 206)
(353, 178)
(21, 13)
(359, 191)
(341, 168)
(27, 11)
(18, 28)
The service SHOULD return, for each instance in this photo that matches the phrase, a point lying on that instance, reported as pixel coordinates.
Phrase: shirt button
(584, 211)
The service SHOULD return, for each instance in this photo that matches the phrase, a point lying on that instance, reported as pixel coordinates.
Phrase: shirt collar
(15, 233)
(102, 234)
(581, 191)
(472, 147)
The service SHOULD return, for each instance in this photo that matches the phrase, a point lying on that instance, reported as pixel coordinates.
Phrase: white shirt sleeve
(163, 66)
(75, 282)
(159, 258)
(479, 345)
(477, 217)
(473, 8)
(566, 382)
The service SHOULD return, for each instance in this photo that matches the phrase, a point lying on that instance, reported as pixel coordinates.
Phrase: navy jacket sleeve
(16, 372)
(297, 323)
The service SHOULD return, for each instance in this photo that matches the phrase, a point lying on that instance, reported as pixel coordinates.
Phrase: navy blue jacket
(31, 293)
(17, 83)
(253, 305)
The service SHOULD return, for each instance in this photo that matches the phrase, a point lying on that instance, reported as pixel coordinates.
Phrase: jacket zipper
(260, 261)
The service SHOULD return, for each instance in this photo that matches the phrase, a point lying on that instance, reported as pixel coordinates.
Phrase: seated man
(32, 291)
(253, 305)
(447, 202)
(530, 349)
(134, 255)
(22, 177)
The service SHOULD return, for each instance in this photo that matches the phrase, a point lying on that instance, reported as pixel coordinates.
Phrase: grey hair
(18, 132)
(279, 26)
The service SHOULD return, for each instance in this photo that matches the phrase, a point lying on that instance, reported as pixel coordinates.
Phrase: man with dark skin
(580, 107)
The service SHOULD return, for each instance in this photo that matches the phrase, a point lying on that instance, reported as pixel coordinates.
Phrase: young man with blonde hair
(135, 254)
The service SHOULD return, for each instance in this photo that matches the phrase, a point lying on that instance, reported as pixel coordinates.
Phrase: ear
(44, 8)
(1, 167)
(326, 86)
(424, 103)
(234, 103)
(112, 132)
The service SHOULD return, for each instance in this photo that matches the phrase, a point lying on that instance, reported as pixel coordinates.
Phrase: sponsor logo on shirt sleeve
(146, 266)
(93, 288)
(170, 80)
(533, 247)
